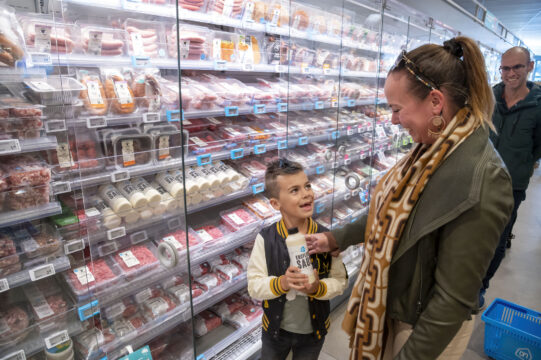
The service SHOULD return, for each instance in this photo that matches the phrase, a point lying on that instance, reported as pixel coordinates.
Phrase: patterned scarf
(394, 198)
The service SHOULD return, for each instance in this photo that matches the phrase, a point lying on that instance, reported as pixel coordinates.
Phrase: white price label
(74, 246)
(151, 117)
(347, 161)
(96, 122)
(116, 233)
(55, 126)
(173, 241)
(220, 65)
(120, 176)
(247, 67)
(39, 59)
(163, 147)
(143, 296)
(61, 187)
(18, 355)
(248, 11)
(174, 223)
(63, 154)
(138, 237)
(137, 44)
(236, 219)
(205, 236)
(94, 42)
(94, 93)
(129, 259)
(9, 146)
(108, 248)
(42, 86)
(92, 212)
(42, 37)
(41, 272)
(84, 275)
(57, 339)
(4, 285)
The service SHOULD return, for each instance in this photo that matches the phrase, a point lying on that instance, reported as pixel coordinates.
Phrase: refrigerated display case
(134, 137)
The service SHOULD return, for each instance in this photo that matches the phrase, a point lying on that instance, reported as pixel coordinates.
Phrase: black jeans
(519, 196)
(304, 346)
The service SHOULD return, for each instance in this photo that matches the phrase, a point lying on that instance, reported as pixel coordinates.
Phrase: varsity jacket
(269, 260)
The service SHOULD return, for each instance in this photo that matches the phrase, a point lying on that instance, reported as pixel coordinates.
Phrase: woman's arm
(338, 239)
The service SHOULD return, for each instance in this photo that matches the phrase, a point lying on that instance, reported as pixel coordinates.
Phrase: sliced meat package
(118, 91)
(209, 281)
(15, 321)
(136, 260)
(94, 98)
(193, 43)
(228, 306)
(37, 241)
(43, 34)
(102, 41)
(227, 8)
(26, 197)
(146, 38)
(244, 316)
(205, 322)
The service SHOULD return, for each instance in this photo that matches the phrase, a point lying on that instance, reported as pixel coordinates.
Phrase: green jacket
(518, 138)
(446, 247)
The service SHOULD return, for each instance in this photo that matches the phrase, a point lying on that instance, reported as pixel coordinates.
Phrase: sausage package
(147, 38)
(43, 34)
(228, 8)
(147, 90)
(193, 43)
(192, 5)
(11, 37)
(118, 91)
(103, 41)
(95, 100)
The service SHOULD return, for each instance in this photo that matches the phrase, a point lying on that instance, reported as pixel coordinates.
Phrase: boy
(299, 325)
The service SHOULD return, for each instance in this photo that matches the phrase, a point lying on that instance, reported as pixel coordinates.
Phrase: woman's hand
(320, 243)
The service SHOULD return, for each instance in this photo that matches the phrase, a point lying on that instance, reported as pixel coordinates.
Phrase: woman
(435, 218)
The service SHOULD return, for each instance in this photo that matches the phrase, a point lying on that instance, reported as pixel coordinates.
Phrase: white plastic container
(167, 200)
(136, 197)
(152, 195)
(174, 187)
(114, 199)
(298, 253)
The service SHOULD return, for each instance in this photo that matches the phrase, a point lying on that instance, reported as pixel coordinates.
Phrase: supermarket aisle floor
(516, 279)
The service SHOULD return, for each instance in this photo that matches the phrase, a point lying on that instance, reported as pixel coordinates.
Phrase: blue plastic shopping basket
(512, 332)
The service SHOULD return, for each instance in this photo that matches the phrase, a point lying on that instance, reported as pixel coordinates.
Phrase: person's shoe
(508, 242)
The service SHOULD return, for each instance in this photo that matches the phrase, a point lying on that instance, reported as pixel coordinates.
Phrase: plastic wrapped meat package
(260, 206)
(166, 142)
(234, 135)
(103, 41)
(211, 232)
(36, 241)
(300, 17)
(201, 96)
(43, 34)
(208, 281)
(252, 168)
(244, 316)
(228, 272)
(255, 11)
(276, 50)
(124, 308)
(83, 154)
(229, 91)
(136, 260)
(250, 49)
(192, 5)
(198, 124)
(240, 258)
(126, 328)
(9, 256)
(205, 322)
(95, 100)
(147, 38)
(181, 292)
(15, 323)
(302, 55)
(91, 340)
(93, 276)
(278, 13)
(194, 42)
(26, 197)
(228, 8)
(224, 47)
(158, 305)
(205, 142)
(147, 89)
(19, 119)
(13, 46)
(317, 21)
(178, 239)
(228, 306)
(237, 218)
(48, 309)
(118, 91)
(127, 148)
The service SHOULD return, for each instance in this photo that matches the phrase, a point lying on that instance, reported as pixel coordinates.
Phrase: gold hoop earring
(439, 123)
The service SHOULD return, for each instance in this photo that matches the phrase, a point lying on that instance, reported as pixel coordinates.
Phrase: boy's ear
(275, 203)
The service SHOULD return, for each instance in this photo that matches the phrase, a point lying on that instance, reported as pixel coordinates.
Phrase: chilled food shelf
(244, 348)
(14, 146)
(15, 217)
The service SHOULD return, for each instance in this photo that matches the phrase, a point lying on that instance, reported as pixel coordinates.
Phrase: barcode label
(19, 355)
(247, 67)
(151, 117)
(4, 285)
(120, 176)
(96, 122)
(74, 246)
(9, 146)
(61, 187)
(138, 237)
(142, 296)
(56, 339)
(116, 233)
(41, 272)
(174, 223)
(108, 248)
(55, 126)
(220, 65)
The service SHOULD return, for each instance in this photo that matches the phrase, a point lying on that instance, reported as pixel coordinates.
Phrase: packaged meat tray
(255, 11)
(124, 308)
(235, 136)
(13, 127)
(250, 49)
(300, 18)
(205, 322)
(93, 95)
(244, 316)
(147, 89)
(205, 142)
(193, 43)
(228, 272)
(54, 90)
(237, 218)
(167, 142)
(208, 281)
(198, 125)
(132, 150)
(181, 292)
(136, 260)
(241, 260)
(228, 8)
(178, 239)
(83, 154)
(211, 232)
(25, 170)
(192, 5)
(38, 240)
(26, 197)
(90, 341)
(13, 35)
(260, 206)
(122, 328)
(224, 47)
(46, 307)
(93, 276)
(200, 270)
(278, 13)
(147, 38)
(43, 34)
(252, 168)
(15, 323)
(118, 91)
(103, 41)
(228, 306)
(159, 305)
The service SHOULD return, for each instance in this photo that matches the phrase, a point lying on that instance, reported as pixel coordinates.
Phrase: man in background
(517, 119)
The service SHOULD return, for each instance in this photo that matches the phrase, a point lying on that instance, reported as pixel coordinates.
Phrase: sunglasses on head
(403, 61)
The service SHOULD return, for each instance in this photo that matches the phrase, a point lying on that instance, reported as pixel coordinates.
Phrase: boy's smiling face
(295, 198)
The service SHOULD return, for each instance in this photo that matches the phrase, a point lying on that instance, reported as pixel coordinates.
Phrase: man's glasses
(515, 68)
(403, 61)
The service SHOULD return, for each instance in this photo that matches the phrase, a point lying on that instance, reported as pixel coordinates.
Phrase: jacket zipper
(515, 124)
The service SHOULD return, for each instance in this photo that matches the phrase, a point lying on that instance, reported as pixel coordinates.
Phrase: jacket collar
(532, 99)
(454, 188)
(282, 228)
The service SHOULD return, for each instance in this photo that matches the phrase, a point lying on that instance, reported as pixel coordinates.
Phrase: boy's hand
(293, 279)
(310, 289)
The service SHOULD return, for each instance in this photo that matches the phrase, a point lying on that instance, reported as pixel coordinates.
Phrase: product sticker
(137, 44)
(217, 49)
(228, 7)
(163, 147)
(184, 49)
(275, 16)
(94, 42)
(94, 93)
(42, 86)
(246, 50)
(248, 11)
(182, 292)
(123, 93)
(84, 275)
(233, 131)
(9, 146)
(198, 141)
(40, 305)
(157, 306)
(321, 58)
(205, 236)
(122, 327)
(128, 153)
(64, 155)
(115, 310)
(296, 21)
(29, 245)
(395, 129)
(236, 219)
(143, 296)
(129, 259)
(173, 241)
(4, 285)
(261, 208)
(42, 38)
(194, 174)
(215, 121)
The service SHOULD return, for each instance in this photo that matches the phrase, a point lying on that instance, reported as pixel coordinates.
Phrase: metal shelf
(50, 268)
(244, 347)
(18, 146)
(9, 218)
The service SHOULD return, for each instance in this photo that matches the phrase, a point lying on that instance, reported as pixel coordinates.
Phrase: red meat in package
(220, 260)
(208, 281)
(237, 218)
(209, 233)
(181, 292)
(8, 252)
(178, 239)
(25, 170)
(228, 306)
(241, 260)
(244, 316)
(92, 274)
(158, 305)
(136, 258)
(201, 269)
(26, 197)
(124, 308)
(14, 320)
(45, 307)
(228, 272)
(123, 327)
(205, 322)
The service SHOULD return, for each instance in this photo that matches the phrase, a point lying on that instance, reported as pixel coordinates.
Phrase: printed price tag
(108, 248)
(151, 117)
(128, 152)
(205, 236)
(74, 246)
(143, 296)
(64, 155)
(42, 37)
(140, 61)
(56, 339)
(247, 67)
(163, 147)
(120, 176)
(42, 86)
(55, 126)
(137, 44)
(61, 187)
(220, 65)
(18, 355)
(9, 146)
(138, 237)
(248, 11)
(94, 42)
(334, 102)
(116, 233)
(174, 223)
(96, 122)
(39, 59)
(41, 272)
(4, 285)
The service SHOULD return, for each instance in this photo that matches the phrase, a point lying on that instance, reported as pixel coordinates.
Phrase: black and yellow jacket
(270, 260)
